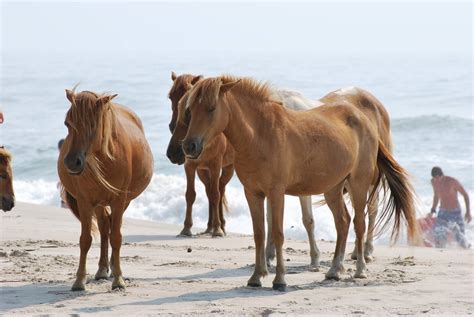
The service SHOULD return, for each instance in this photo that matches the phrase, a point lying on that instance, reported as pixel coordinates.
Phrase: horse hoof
(314, 268)
(254, 284)
(98, 277)
(218, 233)
(369, 258)
(78, 286)
(186, 232)
(279, 287)
(118, 283)
(354, 256)
(361, 274)
(332, 276)
(102, 274)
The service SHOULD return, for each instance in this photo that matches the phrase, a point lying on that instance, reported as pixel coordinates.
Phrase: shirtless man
(446, 190)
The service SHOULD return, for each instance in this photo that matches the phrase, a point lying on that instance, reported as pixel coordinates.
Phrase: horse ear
(70, 95)
(196, 79)
(173, 76)
(227, 86)
(105, 99)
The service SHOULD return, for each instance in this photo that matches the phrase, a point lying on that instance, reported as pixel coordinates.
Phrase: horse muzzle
(193, 148)
(7, 203)
(175, 155)
(75, 163)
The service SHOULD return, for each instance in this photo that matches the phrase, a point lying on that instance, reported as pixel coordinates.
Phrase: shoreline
(39, 258)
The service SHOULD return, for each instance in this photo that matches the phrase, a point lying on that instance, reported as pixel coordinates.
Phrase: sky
(236, 26)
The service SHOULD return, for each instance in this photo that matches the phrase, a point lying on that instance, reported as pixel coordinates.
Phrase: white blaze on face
(347, 91)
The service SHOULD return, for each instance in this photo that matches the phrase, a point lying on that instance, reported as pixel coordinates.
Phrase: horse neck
(246, 114)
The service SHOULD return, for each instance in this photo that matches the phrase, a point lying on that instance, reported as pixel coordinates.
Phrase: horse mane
(90, 118)
(207, 90)
(180, 81)
(5, 155)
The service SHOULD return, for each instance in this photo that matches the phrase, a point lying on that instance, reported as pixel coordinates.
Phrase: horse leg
(227, 173)
(255, 202)
(270, 248)
(372, 210)
(103, 222)
(359, 197)
(308, 221)
(277, 202)
(85, 242)
(190, 171)
(116, 242)
(214, 198)
(205, 179)
(335, 201)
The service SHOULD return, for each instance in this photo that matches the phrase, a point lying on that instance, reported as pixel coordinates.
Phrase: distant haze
(247, 26)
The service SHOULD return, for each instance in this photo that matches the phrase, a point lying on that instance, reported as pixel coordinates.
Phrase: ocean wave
(432, 123)
(164, 201)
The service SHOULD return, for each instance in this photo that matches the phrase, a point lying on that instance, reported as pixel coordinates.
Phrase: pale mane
(206, 91)
(99, 123)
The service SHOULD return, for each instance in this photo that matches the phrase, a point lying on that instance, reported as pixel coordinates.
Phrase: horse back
(368, 104)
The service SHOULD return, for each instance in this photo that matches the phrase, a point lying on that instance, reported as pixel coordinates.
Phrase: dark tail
(72, 204)
(400, 205)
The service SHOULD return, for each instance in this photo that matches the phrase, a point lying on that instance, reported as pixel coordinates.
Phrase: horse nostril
(78, 162)
(192, 147)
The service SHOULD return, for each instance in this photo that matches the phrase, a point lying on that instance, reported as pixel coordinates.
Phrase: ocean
(429, 98)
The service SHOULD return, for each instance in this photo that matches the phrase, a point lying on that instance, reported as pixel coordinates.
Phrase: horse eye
(3, 176)
(210, 110)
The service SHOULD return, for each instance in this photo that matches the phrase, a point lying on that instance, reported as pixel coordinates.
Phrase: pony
(324, 150)
(215, 167)
(178, 96)
(7, 195)
(104, 163)
(378, 115)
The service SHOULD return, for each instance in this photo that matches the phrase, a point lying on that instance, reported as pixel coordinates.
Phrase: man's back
(447, 189)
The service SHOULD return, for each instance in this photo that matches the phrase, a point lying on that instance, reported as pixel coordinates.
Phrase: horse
(104, 163)
(378, 115)
(178, 96)
(7, 195)
(279, 151)
(218, 156)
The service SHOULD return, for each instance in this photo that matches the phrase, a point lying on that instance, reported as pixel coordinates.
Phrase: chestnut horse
(293, 100)
(217, 156)
(281, 151)
(377, 114)
(104, 163)
(7, 196)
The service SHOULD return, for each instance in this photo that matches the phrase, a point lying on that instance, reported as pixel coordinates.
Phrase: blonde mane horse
(104, 163)
(280, 151)
(7, 196)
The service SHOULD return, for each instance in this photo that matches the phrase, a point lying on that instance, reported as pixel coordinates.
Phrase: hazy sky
(247, 26)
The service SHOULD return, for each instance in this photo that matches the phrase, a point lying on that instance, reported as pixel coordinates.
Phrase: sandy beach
(39, 255)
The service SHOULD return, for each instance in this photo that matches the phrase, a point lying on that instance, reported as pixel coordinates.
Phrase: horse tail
(225, 204)
(72, 204)
(400, 203)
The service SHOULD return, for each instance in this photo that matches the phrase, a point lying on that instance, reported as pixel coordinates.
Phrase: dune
(203, 276)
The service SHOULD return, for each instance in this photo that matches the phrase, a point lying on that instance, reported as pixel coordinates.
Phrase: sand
(39, 256)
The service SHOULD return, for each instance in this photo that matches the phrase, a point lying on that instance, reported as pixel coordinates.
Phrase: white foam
(164, 201)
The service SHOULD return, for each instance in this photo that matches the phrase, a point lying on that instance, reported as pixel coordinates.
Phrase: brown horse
(280, 151)
(378, 115)
(7, 196)
(104, 163)
(218, 156)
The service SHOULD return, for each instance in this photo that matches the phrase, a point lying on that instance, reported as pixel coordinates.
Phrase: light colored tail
(400, 205)
(225, 205)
